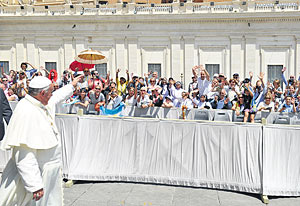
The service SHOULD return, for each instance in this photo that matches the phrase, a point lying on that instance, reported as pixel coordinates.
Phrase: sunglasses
(85, 71)
(98, 88)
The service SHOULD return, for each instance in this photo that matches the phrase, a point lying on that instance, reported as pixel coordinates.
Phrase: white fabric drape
(223, 155)
(281, 160)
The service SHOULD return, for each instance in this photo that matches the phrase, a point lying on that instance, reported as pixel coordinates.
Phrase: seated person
(130, 99)
(113, 99)
(84, 100)
(288, 105)
(221, 101)
(194, 98)
(143, 101)
(185, 101)
(203, 104)
(268, 104)
(96, 97)
(168, 102)
(156, 97)
(239, 107)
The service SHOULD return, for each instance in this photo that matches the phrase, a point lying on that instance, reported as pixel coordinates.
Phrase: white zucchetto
(39, 82)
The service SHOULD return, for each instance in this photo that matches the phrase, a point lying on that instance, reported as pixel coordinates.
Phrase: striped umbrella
(91, 57)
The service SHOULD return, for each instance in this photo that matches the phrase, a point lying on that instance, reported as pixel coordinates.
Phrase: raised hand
(250, 74)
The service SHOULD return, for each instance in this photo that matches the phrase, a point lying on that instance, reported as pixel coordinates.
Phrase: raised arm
(283, 77)
(117, 75)
(205, 71)
(127, 73)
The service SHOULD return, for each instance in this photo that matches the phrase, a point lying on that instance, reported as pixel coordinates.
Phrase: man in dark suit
(5, 112)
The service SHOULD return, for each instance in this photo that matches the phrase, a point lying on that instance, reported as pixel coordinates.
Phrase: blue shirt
(30, 72)
(288, 108)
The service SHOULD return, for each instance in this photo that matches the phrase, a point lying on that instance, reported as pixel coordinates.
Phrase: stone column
(176, 62)
(20, 51)
(236, 57)
(69, 53)
(132, 53)
(189, 59)
(251, 62)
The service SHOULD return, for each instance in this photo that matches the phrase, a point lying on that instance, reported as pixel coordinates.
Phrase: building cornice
(290, 16)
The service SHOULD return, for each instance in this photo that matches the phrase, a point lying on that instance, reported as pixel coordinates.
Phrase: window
(212, 69)
(5, 65)
(274, 72)
(102, 69)
(50, 65)
(155, 68)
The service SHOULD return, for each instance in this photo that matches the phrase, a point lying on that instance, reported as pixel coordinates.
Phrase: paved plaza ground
(132, 194)
(84, 193)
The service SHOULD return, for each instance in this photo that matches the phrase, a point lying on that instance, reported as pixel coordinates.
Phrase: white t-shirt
(264, 105)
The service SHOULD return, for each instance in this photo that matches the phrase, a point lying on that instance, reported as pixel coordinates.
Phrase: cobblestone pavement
(132, 194)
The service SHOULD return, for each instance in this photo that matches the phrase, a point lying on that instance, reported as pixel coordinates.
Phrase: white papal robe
(36, 156)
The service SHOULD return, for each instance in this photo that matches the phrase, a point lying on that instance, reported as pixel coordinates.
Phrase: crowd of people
(245, 97)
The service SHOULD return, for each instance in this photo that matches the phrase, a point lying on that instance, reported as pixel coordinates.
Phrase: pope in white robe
(32, 177)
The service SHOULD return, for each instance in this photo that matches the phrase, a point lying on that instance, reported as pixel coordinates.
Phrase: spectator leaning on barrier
(203, 104)
(143, 100)
(96, 96)
(221, 101)
(113, 99)
(131, 96)
(239, 107)
(194, 97)
(156, 98)
(84, 100)
(168, 102)
(288, 105)
(185, 101)
(267, 105)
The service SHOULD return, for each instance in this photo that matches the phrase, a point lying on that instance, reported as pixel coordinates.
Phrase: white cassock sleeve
(28, 168)
(62, 94)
